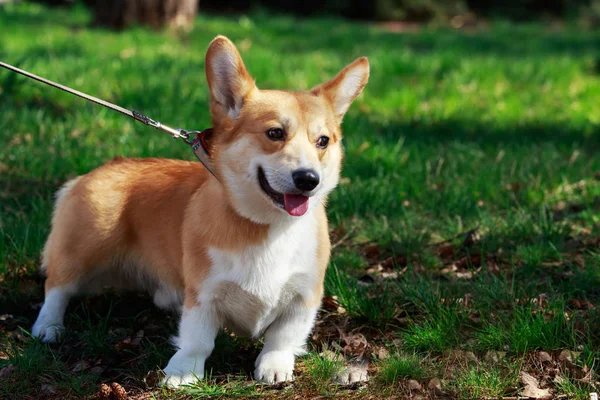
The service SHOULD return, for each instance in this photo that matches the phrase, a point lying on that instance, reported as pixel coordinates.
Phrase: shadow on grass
(306, 35)
(123, 334)
(488, 135)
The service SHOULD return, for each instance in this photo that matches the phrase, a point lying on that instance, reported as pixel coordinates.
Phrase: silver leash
(198, 142)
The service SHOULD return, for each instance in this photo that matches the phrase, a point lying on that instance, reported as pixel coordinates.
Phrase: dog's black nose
(305, 179)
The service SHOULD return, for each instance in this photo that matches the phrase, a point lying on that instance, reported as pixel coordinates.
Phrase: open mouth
(294, 204)
(277, 197)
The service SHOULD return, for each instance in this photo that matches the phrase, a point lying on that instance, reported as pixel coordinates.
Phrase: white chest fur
(249, 289)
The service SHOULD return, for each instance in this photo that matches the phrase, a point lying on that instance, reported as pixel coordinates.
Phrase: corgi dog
(245, 249)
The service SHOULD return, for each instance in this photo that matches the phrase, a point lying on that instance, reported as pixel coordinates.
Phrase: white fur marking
(50, 323)
(263, 272)
(197, 332)
(284, 339)
(168, 298)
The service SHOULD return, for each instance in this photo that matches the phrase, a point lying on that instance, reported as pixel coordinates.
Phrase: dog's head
(276, 152)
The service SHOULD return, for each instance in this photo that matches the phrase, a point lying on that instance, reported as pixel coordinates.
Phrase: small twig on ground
(343, 238)
(462, 234)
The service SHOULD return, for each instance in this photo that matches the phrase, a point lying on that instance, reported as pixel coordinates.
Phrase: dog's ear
(228, 80)
(344, 88)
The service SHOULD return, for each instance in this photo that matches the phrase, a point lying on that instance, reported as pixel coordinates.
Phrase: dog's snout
(305, 179)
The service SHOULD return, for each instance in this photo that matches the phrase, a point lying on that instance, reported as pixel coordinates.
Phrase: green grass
(485, 382)
(495, 132)
(322, 368)
(36, 366)
(360, 301)
(210, 388)
(400, 366)
(94, 331)
(575, 389)
(438, 332)
(530, 329)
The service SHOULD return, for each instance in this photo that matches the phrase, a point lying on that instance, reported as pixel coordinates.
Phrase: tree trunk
(119, 14)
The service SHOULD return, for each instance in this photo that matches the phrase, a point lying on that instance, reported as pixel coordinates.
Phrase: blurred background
(120, 13)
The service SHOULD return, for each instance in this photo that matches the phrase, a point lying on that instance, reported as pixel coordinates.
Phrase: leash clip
(198, 141)
(175, 133)
(190, 136)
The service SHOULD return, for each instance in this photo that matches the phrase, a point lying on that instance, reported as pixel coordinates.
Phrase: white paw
(47, 332)
(183, 370)
(274, 367)
(175, 381)
(352, 374)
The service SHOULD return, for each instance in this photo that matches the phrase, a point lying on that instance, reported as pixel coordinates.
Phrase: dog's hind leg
(66, 259)
(49, 325)
(68, 274)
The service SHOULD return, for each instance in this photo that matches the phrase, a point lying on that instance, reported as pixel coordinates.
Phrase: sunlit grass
(494, 131)
(485, 382)
(402, 366)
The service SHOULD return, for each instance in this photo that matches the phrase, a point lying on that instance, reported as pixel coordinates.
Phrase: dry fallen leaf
(152, 378)
(528, 380)
(589, 374)
(544, 357)
(330, 303)
(363, 147)
(532, 388)
(493, 356)
(390, 275)
(471, 237)
(6, 371)
(138, 338)
(446, 251)
(413, 385)
(355, 345)
(394, 262)
(378, 268)
(48, 389)
(372, 251)
(461, 356)
(81, 365)
(366, 279)
(435, 386)
(566, 357)
(381, 353)
(513, 187)
(464, 275)
(98, 370)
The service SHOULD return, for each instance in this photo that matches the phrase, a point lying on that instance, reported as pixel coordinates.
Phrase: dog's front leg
(198, 329)
(284, 339)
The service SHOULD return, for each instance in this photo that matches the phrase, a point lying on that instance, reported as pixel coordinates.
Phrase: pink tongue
(295, 204)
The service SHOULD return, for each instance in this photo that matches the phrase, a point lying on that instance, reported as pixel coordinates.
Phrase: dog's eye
(276, 134)
(322, 142)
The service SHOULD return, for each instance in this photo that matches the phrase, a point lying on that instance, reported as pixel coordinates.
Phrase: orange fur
(138, 208)
(160, 224)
